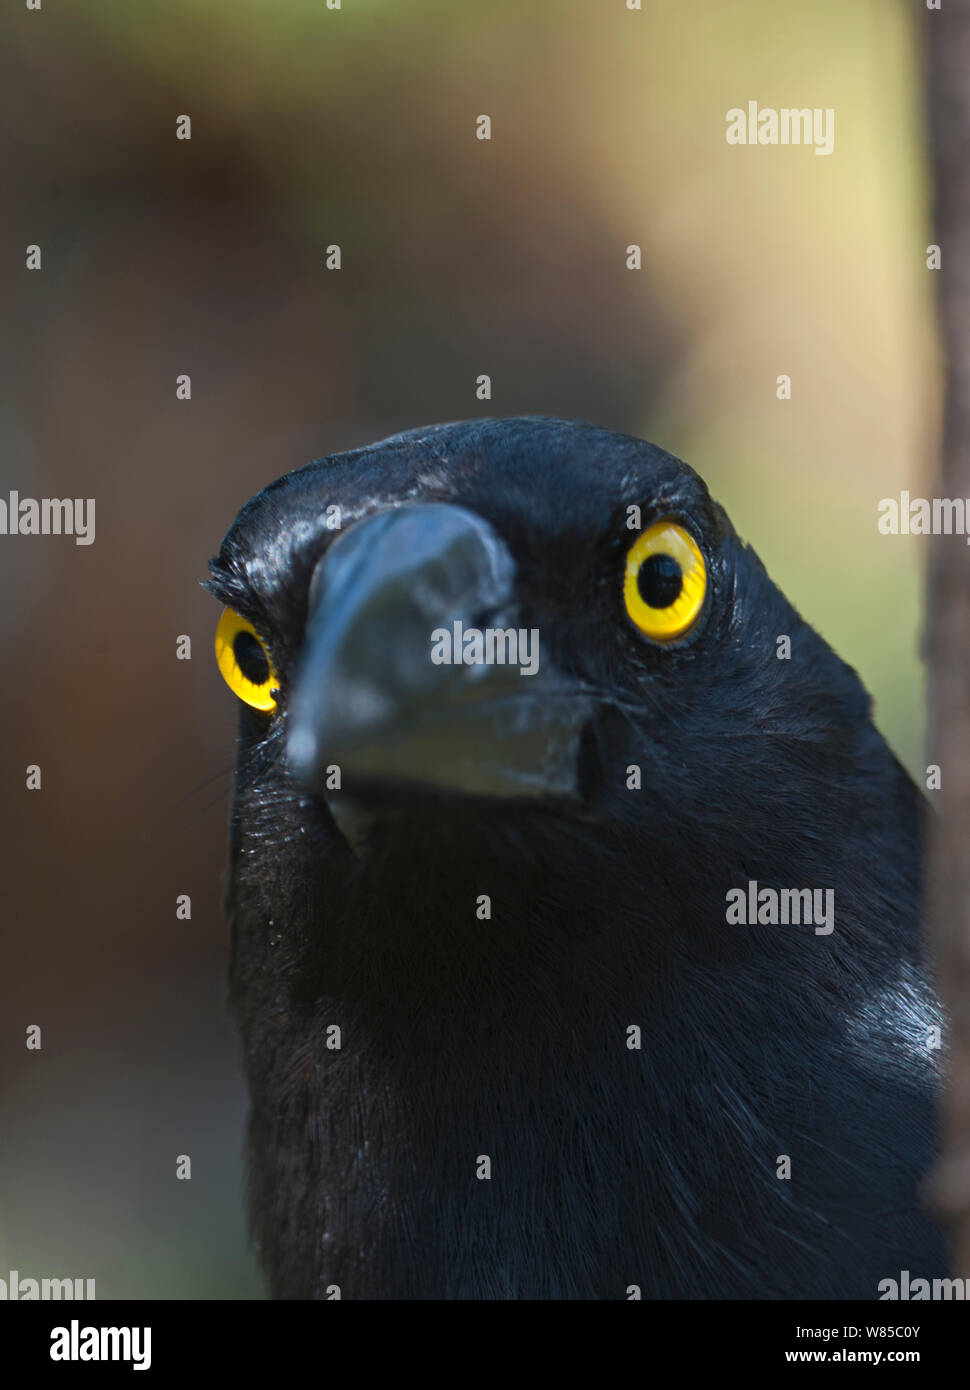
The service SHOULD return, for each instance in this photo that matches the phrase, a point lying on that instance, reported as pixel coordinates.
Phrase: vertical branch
(949, 608)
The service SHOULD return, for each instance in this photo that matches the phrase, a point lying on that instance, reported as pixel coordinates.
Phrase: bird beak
(393, 687)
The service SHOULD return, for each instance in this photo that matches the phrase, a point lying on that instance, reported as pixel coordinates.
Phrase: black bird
(506, 1029)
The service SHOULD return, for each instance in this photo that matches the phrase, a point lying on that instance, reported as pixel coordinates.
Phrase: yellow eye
(244, 662)
(665, 581)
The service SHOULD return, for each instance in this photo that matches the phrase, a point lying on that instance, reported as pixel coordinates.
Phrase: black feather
(610, 1167)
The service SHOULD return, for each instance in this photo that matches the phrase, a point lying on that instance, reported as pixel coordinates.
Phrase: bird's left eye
(665, 581)
(244, 661)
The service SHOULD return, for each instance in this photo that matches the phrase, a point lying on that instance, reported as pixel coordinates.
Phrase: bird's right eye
(244, 661)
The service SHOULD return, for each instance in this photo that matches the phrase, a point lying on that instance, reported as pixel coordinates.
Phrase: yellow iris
(665, 581)
(244, 661)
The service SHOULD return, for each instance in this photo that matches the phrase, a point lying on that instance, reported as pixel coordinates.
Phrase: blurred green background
(160, 257)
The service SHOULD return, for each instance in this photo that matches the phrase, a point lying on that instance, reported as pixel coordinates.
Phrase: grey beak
(382, 690)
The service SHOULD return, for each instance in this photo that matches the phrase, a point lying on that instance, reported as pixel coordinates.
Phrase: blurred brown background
(163, 256)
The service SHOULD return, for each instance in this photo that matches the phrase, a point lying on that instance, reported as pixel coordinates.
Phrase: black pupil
(250, 658)
(660, 581)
